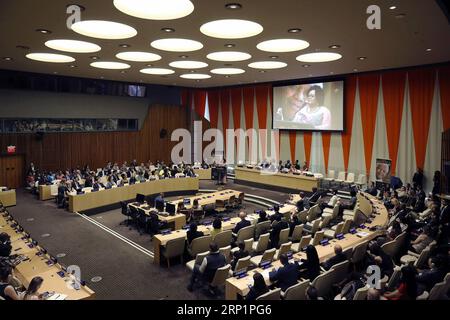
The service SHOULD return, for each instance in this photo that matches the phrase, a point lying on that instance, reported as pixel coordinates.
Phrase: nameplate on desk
(289, 254)
(240, 274)
(352, 231)
(362, 226)
(207, 223)
(340, 236)
(324, 242)
(166, 232)
(186, 227)
(61, 274)
(50, 263)
(80, 192)
(226, 219)
(265, 265)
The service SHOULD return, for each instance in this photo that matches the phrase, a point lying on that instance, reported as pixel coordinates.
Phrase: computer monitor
(159, 205)
(170, 208)
(140, 198)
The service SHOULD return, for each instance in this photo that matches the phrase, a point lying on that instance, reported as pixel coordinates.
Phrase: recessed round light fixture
(319, 57)
(149, 65)
(331, 72)
(22, 47)
(400, 16)
(94, 57)
(362, 58)
(112, 65)
(231, 29)
(43, 31)
(183, 56)
(157, 71)
(73, 46)
(50, 57)
(155, 9)
(227, 71)
(392, 7)
(104, 29)
(294, 30)
(428, 50)
(177, 45)
(306, 65)
(124, 45)
(334, 46)
(355, 70)
(227, 76)
(7, 58)
(186, 64)
(233, 6)
(72, 66)
(228, 56)
(138, 56)
(229, 45)
(282, 45)
(262, 71)
(195, 76)
(168, 30)
(267, 65)
(55, 72)
(273, 57)
(123, 72)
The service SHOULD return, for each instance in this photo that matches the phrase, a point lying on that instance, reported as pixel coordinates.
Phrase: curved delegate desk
(284, 181)
(37, 265)
(235, 287)
(107, 197)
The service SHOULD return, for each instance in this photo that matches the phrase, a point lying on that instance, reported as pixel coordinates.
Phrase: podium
(219, 174)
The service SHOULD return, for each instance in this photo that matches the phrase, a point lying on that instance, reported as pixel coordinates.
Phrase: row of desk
(36, 265)
(240, 287)
(106, 197)
(8, 198)
(284, 180)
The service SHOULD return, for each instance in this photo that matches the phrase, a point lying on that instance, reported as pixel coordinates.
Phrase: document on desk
(57, 296)
(362, 234)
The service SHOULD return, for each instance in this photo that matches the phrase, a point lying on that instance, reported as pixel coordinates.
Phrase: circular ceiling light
(283, 45)
(195, 76)
(294, 30)
(138, 56)
(228, 56)
(319, 57)
(168, 30)
(177, 45)
(186, 64)
(50, 57)
(227, 71)
(231, 29)
(155, 9)
(104, 29)
(110, 65)
(43, 31)
(7, 58)
(233, 6)
(157, 71)
(267, 65)
(73, 46)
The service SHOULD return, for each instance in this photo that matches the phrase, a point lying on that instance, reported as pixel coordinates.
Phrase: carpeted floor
(126, 272)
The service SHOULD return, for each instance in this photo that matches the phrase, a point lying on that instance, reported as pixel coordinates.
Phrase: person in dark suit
(241, 224)
(159, 198)
(5, 245)
(193, 233)
(348, 205)
(315, 196)
(213, 261)
(386, 265)
(277, 226)
(418, 178)
(310, 268)
(262, 216)
(372, 190)
(259, 287)
(338, 258)
(429, 277)
(276, 214)
(241, 253)
(286, 276)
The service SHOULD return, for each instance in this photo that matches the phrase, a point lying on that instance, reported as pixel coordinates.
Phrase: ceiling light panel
(283, 45)
(155, 9)
(104, 29)
(157, 71)
(195, 76)
(138, 56)
(227, 71)
(231, 29)
(110, 65)
(50, 57)
(267, 65)
(228, 56)
(73, 46)
(186, 64)
(177, 45)
(319, 57)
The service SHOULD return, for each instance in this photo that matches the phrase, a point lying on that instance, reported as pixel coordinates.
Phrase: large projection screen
(313, 106)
